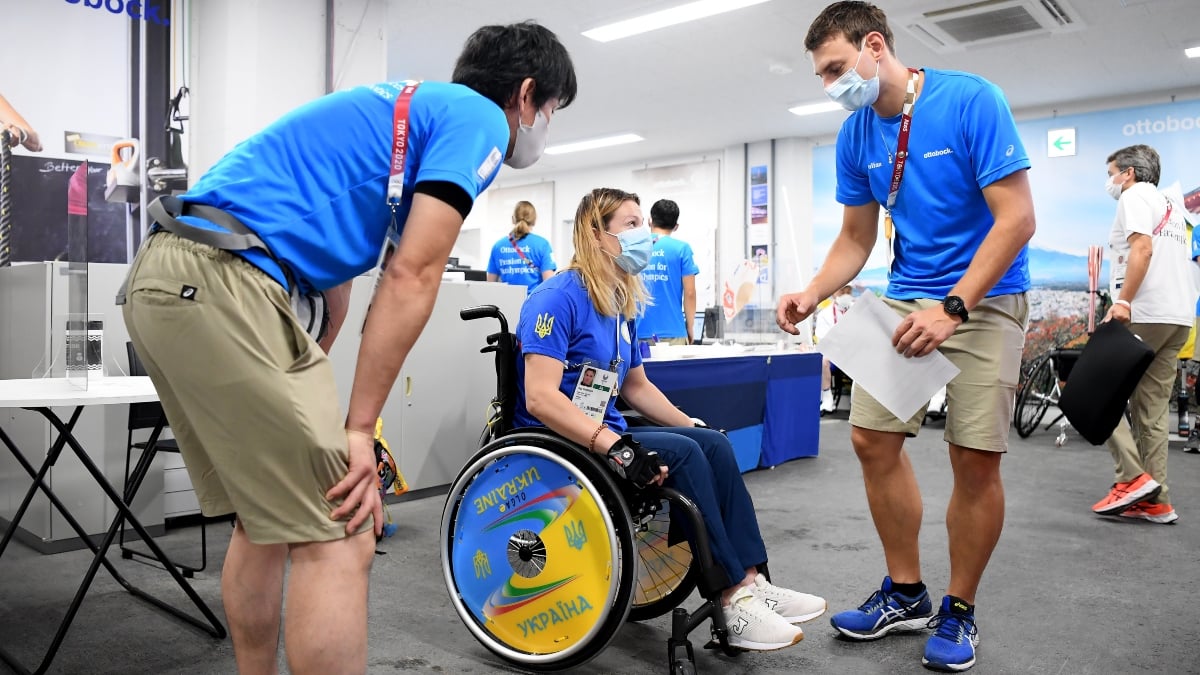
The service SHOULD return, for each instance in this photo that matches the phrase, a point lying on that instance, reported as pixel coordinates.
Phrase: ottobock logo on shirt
(874, 165)
(938, 153)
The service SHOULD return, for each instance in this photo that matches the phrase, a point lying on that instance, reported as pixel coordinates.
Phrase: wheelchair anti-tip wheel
(666, 573)
(538, 552)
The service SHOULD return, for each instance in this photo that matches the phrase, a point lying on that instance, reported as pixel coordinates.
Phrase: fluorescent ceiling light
(1192, 52)
(667, 17)
(815, 108)
(580, 146)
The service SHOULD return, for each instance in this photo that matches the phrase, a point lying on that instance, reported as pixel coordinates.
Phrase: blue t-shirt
(313, 184)
(671, 261)
(526, 271)
(963, 138)
(559, 320)
(1196, 254)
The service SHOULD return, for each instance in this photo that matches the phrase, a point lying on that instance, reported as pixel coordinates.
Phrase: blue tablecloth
(769, 404)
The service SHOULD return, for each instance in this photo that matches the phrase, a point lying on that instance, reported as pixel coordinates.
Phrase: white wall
(251, 61)
(66, 68)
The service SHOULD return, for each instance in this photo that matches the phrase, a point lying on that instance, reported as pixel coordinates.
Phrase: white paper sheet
(860, 343)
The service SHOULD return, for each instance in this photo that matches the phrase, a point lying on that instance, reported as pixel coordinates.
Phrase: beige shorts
(979, 400)
(248, 394)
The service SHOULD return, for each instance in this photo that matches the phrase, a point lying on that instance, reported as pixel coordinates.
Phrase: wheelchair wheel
(666, 573)
(1034, 397)
(538, 552)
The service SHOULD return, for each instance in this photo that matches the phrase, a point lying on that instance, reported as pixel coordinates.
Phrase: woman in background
(522, 258)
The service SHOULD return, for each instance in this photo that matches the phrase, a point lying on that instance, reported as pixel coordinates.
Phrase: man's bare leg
(252, 590)
(894, 498)
(326, 626)
(974, 518)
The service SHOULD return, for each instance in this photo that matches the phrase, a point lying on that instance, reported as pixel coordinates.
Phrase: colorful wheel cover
(533, 558)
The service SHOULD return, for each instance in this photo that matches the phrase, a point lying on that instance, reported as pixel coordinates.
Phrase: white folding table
(41, 396)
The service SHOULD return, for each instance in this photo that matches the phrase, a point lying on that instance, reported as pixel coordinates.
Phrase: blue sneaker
(884, 612)
(955, 637)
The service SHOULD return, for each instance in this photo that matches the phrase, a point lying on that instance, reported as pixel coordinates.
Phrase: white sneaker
(826, 400)
(753, 626)
(793, 606)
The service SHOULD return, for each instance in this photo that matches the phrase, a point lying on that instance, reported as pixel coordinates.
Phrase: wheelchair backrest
(505, 346)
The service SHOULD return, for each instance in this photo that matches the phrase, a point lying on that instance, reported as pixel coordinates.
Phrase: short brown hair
(851, 19)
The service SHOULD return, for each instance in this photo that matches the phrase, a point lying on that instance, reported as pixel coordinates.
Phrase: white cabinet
(438, 406)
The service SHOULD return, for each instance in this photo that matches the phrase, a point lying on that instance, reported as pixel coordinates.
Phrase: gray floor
(1067, 591)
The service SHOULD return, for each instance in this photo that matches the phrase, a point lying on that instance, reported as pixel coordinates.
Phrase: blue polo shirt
(524, 268)
(313, 184)
(559, 320)
(963, 138)
(671, 261)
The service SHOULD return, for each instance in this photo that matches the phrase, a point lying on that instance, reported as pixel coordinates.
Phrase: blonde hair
(612, 290)
(524, 217)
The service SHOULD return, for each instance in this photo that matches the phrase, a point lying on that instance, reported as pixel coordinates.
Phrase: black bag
(1108, 370)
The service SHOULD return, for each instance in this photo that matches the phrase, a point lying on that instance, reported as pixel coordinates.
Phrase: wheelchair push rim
(538, 565)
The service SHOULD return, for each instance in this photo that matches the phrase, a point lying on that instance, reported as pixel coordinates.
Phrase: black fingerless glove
(629, 460)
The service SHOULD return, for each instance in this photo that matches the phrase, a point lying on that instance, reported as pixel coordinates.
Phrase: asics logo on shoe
(961, 607)
(739, 625)
(888, 614)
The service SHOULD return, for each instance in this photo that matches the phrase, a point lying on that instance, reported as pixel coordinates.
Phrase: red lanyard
(512, 240)
(1163, 223)
(400, 143)
(910, 98)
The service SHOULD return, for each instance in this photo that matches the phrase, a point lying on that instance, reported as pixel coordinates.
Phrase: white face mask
(531, 141)
(843, 302)
(1112, 187)
(851, 91)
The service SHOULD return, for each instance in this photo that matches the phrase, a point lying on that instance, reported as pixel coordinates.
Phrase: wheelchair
(546, 553)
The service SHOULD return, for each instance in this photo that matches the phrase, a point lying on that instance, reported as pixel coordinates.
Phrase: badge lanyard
(395, 185)
(910, 98)
(512, 240)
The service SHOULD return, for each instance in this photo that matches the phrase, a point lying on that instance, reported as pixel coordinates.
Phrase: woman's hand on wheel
(629, 460)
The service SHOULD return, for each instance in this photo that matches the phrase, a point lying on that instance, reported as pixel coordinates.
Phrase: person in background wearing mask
(263, 435)
(582, 319)
(670, 279)
(827, 318)
(522, 258)
(1153, 292)
(940, 152)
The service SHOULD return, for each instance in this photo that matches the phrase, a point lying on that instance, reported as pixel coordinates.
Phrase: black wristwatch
(955, 306)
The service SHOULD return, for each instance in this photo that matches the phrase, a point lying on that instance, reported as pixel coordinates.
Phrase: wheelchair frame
(617, 499)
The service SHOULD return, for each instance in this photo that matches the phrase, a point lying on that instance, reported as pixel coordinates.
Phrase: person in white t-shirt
(826, 318)
(1154, 294)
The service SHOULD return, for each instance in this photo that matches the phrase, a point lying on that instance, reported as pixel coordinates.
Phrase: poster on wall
(41, 211)
(760, 195)
(1073, 212)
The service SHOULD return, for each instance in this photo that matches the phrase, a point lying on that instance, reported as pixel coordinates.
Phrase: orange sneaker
(1124, 495)
(1155, 513)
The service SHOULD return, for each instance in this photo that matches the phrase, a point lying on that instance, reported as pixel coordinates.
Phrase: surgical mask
(1112, 187)
(844, 301)
(531, 141)
(636, 246)
(851, 91)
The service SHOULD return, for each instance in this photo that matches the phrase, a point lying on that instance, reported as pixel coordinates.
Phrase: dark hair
(851, 19)
(1143, 159)
(496, 59)
(665, 214)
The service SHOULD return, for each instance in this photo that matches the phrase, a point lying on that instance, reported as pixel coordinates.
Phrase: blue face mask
(636, 246)
(851, 91)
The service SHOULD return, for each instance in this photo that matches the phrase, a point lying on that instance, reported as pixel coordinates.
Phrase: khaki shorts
(979, 400)
(248, 394)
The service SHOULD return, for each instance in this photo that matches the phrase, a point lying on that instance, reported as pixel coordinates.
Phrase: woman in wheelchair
(580, 322)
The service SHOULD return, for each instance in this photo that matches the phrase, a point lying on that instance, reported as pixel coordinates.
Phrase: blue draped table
(768, 403)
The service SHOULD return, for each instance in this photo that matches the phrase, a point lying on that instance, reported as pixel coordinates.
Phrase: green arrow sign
(1060, 142)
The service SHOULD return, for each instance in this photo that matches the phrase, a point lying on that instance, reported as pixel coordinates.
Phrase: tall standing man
(670, 279)
(940, 152)
(382, 174)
